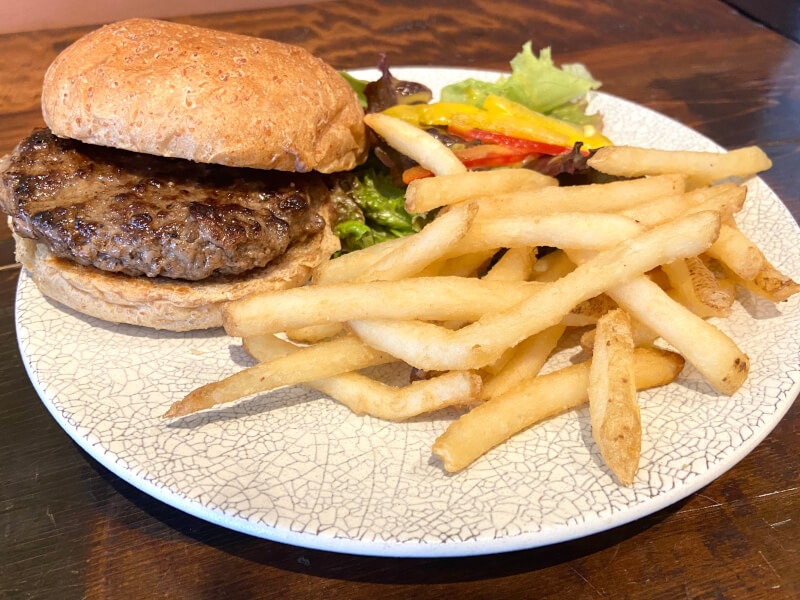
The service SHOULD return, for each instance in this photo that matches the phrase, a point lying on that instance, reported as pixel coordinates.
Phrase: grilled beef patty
(139, 214)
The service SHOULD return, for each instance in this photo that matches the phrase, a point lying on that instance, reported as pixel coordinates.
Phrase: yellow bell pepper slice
(406, 112)
(500, 115)
(425, 115)
(441, 113)
(512, 126)
(588, 134)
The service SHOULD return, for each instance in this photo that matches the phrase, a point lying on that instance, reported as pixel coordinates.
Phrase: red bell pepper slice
(485, 155)
(491, 137)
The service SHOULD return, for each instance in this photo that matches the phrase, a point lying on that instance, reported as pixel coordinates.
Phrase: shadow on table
(318, 563)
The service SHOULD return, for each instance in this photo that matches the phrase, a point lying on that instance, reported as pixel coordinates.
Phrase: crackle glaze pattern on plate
(296, 467)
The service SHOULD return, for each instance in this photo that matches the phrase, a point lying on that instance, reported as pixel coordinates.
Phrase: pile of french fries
(637, 260)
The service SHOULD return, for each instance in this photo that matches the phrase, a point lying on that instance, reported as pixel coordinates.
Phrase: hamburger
(179, 170)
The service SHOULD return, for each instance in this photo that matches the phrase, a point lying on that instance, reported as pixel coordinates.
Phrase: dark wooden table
(71, 529)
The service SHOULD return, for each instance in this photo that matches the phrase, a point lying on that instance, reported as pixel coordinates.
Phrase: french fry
(312, 362)
(432, 192)
(563, 230)
(727, 199)
(515, 265)
(264, 348)
(429, 347)
(526, 362)
(734, 250)
(726, 284)
(493, 422)
(425, 298)
(363, 395)
(613, 408)
(313, 334)
(703, 168)
(696, 287)
(596, 198)
(748, 266)
(467, 265)
(769, 283)
(712, 352)
(512, 266)
(495, 367)
(349, 266)
(416, 144)
(642, 337)
(423, 248)
(589, 311)
(552, 266)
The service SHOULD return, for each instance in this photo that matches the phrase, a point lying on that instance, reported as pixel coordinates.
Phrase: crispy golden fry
(363, 395)
(264, 348)
(526, 361)
(500, 363)
(467, 265)
(534, 400)
(432, 192)
(696, 287)
(415, 143)
(312, 362)
(595, 198)
(747, 265)
(349, 266)
(313, 334)
(589, 311)
(769, 283)
(563, 230)
(425, 247)
(613, 408)
(552, 266)
(643, 337)
(425, 298)
(726, 284)
(429, 347)
(434, 269)
(727, 199)
(711, 351)
(702, 168)
(737, 252)
(515, 265)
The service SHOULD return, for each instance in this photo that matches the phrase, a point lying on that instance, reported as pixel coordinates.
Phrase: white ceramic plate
(296, 467)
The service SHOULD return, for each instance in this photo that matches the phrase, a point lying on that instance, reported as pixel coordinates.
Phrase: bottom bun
(160, 302)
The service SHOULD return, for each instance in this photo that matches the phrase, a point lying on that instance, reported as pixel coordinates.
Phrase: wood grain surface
(71, 529)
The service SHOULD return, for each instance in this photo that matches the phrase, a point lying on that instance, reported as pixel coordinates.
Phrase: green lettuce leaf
(370, 208)
(381, 201)
(575, 113)
(534, 82)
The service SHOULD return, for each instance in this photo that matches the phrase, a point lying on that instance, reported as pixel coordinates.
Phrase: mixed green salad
(534, 118)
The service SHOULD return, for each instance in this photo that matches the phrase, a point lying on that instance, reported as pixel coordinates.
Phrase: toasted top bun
(164, 303)
(180, 91)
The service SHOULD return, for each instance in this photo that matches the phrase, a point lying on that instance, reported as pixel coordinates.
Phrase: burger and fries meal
(479, 231)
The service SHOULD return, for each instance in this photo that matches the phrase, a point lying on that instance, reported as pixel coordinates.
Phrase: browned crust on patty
(139, 214)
